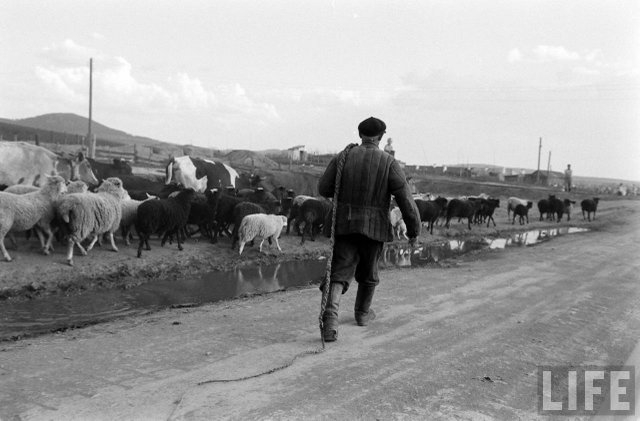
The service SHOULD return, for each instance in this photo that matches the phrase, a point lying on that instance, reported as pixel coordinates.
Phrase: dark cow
(589, 206)
(462, 209)
(140, 188)
(102, 170)
(430, 210)
(189, 172)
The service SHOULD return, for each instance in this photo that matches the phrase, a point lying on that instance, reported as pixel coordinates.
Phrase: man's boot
(362, 308)
(330, 316)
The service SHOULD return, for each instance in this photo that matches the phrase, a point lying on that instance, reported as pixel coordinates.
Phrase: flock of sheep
(74, 215)
(480, 209)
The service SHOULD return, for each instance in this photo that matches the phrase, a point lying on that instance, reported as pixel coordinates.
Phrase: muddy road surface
(462, 341)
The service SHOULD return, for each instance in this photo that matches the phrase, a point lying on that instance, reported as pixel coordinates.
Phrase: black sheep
(203, 212)
(164, 216)
(462, 209)
(315, 213)
(241, 210)
(485, 210)
(224, 214)
(588, 206)
(522, 211)
(431, 210)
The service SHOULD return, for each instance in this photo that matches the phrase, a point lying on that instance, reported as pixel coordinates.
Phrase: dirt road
(462, 342)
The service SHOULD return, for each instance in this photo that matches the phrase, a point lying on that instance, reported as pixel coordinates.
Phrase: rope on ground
(264, 373)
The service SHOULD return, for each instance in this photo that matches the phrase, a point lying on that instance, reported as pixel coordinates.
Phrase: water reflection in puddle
(401, 255)
(51, 313)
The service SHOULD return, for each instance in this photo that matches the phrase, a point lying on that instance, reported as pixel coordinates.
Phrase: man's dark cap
(372, 127)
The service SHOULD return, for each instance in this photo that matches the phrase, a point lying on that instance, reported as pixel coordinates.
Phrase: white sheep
(261, 225)
(92, 214)
(21, 212)
(399, 227)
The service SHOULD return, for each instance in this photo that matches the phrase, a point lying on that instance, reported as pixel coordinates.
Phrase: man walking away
(369, 178)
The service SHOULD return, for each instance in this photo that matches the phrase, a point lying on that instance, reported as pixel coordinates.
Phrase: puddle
(29, 318)
(402, 255)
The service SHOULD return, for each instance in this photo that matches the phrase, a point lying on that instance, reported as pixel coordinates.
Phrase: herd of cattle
(90, 201)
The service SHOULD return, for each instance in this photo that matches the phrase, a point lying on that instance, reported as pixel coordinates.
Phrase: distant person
(388, 148)
(568, 178)
(369, 178)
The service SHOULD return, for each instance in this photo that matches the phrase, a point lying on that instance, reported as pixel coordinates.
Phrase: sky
(456, 82)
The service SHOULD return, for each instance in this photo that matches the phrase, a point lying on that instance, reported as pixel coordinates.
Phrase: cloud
(514, 56)
(68, 53)
(546, 53)
(118, 88)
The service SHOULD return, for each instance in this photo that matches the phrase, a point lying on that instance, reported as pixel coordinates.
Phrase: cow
(190, 172)
(117, 168)
(24, 163)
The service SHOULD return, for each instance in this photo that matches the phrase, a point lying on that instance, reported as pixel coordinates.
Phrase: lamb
(261, 225)
(92, 214)
(397, 223)
(23, 212)
(588, 206)
(168, 216)
(512, 202)
(522, 211)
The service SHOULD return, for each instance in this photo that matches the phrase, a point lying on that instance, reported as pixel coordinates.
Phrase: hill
(55, 126)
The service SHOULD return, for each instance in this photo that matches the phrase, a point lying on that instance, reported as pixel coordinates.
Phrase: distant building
(545, 178)
(297, 154)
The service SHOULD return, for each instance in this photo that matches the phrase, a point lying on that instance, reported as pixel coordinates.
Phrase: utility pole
(538, 172)
(549, 168)
(90, 141)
